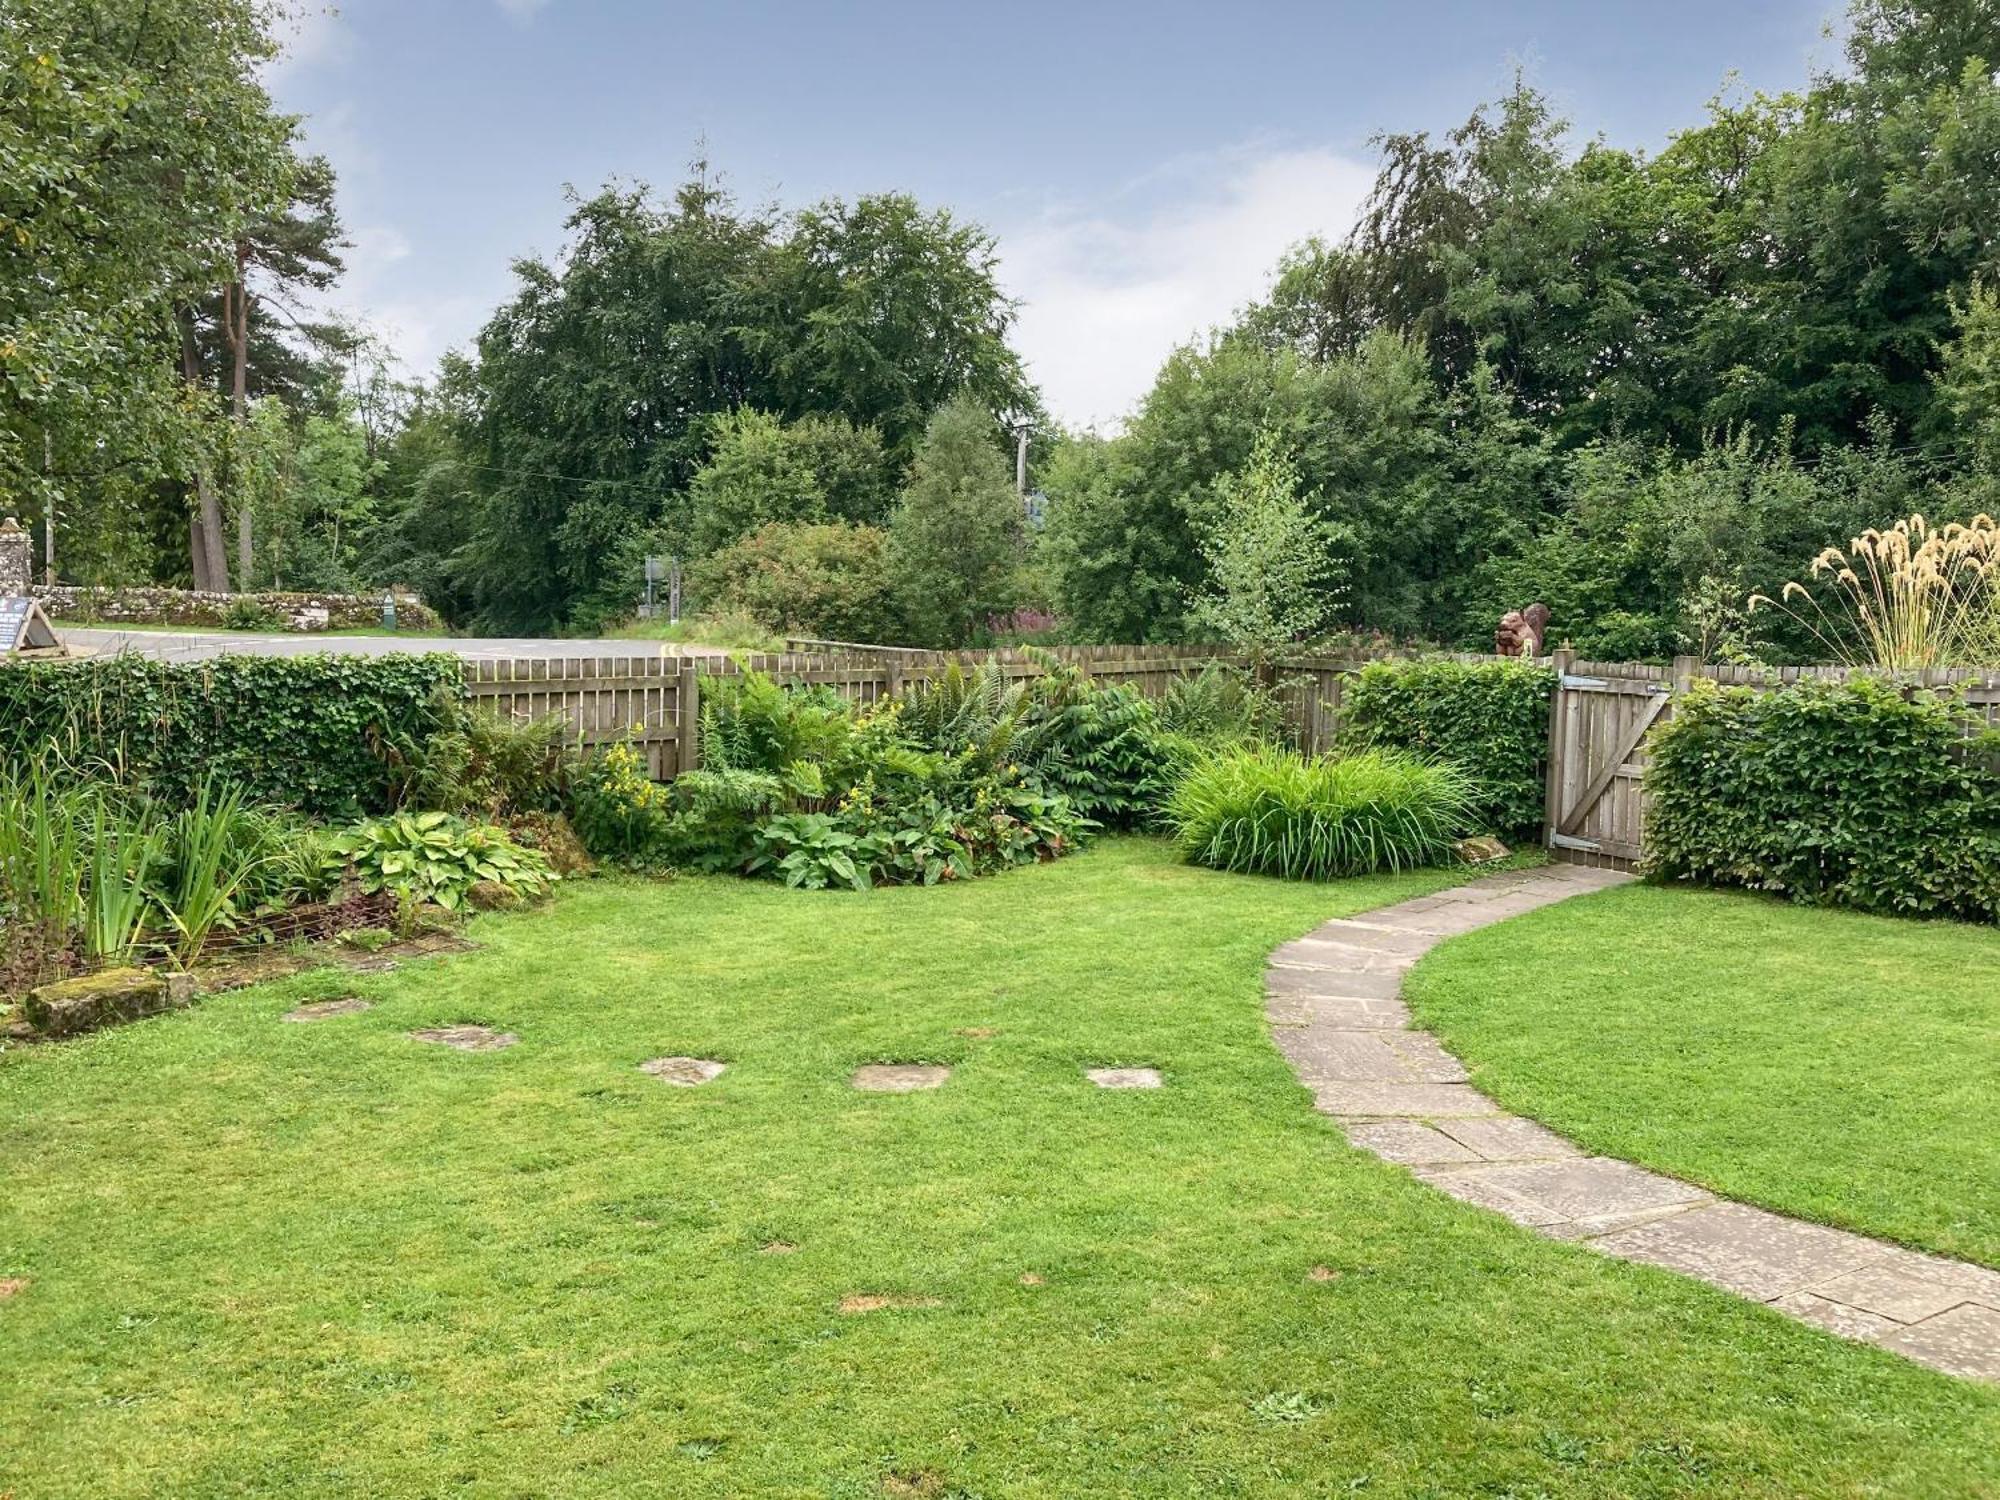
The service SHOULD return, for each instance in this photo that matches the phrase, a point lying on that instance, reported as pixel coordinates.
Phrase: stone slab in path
(683, 1072)
(1333, 999)
(467, 1038)
(899, 1078)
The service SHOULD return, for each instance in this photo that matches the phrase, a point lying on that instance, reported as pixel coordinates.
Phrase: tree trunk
(210, 562)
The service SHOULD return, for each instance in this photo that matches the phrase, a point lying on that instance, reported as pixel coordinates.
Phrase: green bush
(95, 869)
(299, 731)
(1265, 811)
(831, 581)
(1848, 794)
(1489, 718)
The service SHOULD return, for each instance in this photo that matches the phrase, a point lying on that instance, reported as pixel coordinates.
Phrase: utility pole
(49, 511)
(1021, 430)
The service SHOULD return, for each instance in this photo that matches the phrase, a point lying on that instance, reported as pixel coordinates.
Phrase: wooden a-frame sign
(24, 629)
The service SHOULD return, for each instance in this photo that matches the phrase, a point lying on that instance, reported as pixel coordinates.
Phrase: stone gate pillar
(17, 557)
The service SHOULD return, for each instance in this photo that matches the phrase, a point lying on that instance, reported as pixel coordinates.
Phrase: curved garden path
(1335, 1007)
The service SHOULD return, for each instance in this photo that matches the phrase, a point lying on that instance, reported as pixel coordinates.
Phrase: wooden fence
(1598, 722)
(655, 701)
(1598, 728)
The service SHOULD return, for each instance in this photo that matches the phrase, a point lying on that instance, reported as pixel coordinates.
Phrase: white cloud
(1108, 293)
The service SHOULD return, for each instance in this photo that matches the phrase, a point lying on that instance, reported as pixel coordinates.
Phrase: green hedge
(1491, 718)
(303, 731)
(1849, 794)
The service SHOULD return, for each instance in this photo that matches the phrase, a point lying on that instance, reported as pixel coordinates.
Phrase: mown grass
(317, 1260)
(1835, 1066)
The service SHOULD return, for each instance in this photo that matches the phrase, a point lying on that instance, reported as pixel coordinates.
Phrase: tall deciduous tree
(956, 540)
(597, 386)
(1271, 571)
(135, 146)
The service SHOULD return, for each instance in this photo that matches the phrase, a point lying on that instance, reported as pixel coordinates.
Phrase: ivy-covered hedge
(304, 731)
(1849, 794)
(1491, 718)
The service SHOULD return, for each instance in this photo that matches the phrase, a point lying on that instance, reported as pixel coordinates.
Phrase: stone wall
(145, 605)
(17, 557)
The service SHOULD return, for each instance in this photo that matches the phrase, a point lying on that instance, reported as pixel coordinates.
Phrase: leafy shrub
(1489, 718)
(957, 710)
(247, 613)
(1100, 747)
(435, 857)
(796, 786)
(1846, 794)
(480, 762)
(751, 723)
(1266, 811)
(1221, 704)
(298, 731)
(828, 581)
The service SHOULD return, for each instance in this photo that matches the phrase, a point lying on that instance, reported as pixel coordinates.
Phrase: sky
(1142, 165)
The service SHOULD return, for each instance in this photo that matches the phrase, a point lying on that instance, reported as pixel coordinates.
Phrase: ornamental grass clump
(1258, 810)
(1904, 599)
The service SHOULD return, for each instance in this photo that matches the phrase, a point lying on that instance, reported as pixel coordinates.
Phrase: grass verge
(1830, 1065)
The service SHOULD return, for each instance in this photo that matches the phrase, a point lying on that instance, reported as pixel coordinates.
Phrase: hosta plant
(435, 857)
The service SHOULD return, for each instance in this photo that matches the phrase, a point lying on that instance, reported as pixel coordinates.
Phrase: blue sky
(1143, 165)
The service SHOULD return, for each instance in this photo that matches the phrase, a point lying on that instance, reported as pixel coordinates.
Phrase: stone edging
(1336, 1012)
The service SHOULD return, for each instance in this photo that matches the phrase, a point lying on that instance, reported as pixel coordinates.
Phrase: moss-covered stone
(71, 1006)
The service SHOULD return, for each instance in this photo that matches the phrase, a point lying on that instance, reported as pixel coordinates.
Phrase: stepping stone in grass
(1125, 1078)
(776, 1247)
(9, 1285)
(683, 1072)
(321, 1010)
(899, 1078)
(467, 1038)
(868, 1302)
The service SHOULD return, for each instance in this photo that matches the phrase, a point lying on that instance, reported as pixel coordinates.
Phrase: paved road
(199, 645)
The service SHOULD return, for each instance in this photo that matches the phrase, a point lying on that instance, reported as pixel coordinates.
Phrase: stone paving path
(1335, 1007)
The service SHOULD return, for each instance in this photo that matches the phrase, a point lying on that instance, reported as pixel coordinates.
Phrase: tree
(135, 146)
(760, 470)
(881, 311)
(1270, 559)
(956, 541)
(828, 581)
(597, 389)
(1117, 569)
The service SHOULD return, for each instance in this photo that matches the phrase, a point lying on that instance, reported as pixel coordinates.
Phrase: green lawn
(326, 1260)
(1839, 1067)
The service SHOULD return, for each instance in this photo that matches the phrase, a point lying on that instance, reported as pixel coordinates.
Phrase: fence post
(1685, 668)
(687, 702)
(1553, 779)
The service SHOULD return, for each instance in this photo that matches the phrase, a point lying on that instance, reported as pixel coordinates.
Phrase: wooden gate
(1598, 725)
